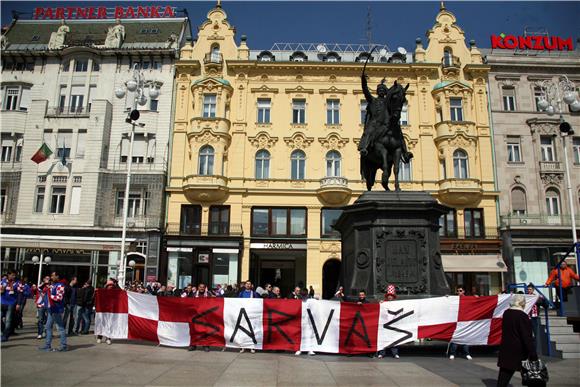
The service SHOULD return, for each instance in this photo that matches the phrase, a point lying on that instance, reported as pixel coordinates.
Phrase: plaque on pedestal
(392, 238)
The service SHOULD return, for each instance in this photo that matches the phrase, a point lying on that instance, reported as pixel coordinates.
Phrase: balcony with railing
(205, 188)
(551, 167)
(334, 190)
(219, 229)
(138, 222)
(476, 233)
(213, 60)
(450, 61)
(217, 125)
(460, 191)
(537, 220)
(68, 111)
(213, 57)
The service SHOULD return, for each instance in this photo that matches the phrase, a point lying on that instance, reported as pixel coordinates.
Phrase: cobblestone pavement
(133, 363)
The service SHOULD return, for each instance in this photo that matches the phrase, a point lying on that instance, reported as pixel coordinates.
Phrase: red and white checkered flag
(312, 325)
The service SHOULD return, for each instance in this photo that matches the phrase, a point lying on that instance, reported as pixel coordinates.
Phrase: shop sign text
(539, 43)
(119, 12)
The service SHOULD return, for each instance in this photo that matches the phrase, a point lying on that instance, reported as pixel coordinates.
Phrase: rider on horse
(377, 119)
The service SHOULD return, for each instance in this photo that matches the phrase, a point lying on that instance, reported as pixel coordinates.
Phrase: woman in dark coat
(517, 343)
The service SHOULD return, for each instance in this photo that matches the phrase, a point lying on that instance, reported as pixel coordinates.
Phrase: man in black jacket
(87, 305)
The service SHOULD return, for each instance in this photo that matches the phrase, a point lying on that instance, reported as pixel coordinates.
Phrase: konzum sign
(130, 12)
(539, 43)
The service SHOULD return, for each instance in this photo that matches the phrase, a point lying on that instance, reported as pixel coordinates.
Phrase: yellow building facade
(264, 153)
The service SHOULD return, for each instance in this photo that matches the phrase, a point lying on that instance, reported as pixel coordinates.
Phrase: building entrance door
(283, 268)
(278, 273)
(330, 277)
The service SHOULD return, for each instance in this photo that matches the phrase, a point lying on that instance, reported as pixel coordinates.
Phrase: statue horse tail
(368, 171)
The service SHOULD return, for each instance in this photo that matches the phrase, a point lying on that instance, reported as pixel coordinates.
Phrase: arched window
(460, 164)
(333, 164)
(215, 53)
(553, 202)
(405, 172)
(447, 57)
(262, 164)
(297, 165)
(206, 155)
(519, 207)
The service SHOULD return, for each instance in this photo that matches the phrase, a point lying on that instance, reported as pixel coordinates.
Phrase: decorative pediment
(462, 140)
(552, 179)
(451, 85)
(206, 136)
(264, 89)
(263, 140)
(332, 90)
(544, 126)
(298, 141)
(299, 89)
(507, 81)
(333, 141)
(210, 83)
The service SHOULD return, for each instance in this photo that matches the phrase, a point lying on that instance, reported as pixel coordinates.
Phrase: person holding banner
(452, 346)
(248, 292)
(202, 292)
(389, 296)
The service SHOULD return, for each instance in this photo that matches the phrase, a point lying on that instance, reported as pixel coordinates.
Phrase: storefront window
(225, 268)
(180, 269)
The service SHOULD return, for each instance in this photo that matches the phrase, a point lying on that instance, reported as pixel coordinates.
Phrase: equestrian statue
(382, 144)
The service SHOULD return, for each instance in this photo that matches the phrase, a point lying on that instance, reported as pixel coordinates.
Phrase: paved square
(134, 363)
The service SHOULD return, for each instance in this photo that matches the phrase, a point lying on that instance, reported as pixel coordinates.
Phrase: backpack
(534, 373)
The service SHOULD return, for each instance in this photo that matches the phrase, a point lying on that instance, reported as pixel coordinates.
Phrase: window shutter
(151, 147)
(7, 140)
(2, 93)
(25, 99)
(509, 92)
(139, 146)
(125, 147)
(518, 200)
(75, 201)
(81, 139)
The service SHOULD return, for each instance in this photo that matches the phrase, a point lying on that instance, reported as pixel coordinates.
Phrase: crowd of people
(66, 304)
(69, 305)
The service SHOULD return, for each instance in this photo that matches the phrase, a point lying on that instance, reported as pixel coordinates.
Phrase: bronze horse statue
(382, 144)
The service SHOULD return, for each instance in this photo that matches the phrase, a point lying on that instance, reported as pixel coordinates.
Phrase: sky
(395, 24)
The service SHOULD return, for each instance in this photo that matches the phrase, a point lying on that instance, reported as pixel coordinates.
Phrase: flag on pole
(42, 154)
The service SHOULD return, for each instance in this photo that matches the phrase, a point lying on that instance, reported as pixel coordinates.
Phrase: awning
(473, 263)
(62, 242)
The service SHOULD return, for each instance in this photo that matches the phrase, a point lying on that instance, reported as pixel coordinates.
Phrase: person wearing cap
(390, 295)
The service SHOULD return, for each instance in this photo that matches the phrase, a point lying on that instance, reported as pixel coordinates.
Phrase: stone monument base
(392, 238)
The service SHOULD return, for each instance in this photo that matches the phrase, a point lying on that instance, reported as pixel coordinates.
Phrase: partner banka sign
(539, 43)
(129, 12)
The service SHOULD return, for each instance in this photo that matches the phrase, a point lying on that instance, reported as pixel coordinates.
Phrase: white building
(58, 83)
(534, 206)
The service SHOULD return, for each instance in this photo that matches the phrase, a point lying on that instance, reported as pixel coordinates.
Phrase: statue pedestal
(392, 238)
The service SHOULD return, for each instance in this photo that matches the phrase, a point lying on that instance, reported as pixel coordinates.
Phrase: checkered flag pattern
(312, 325)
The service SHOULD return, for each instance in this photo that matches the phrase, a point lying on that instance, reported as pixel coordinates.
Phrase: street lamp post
(555, 95)
(39, 261)
(134, 85)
